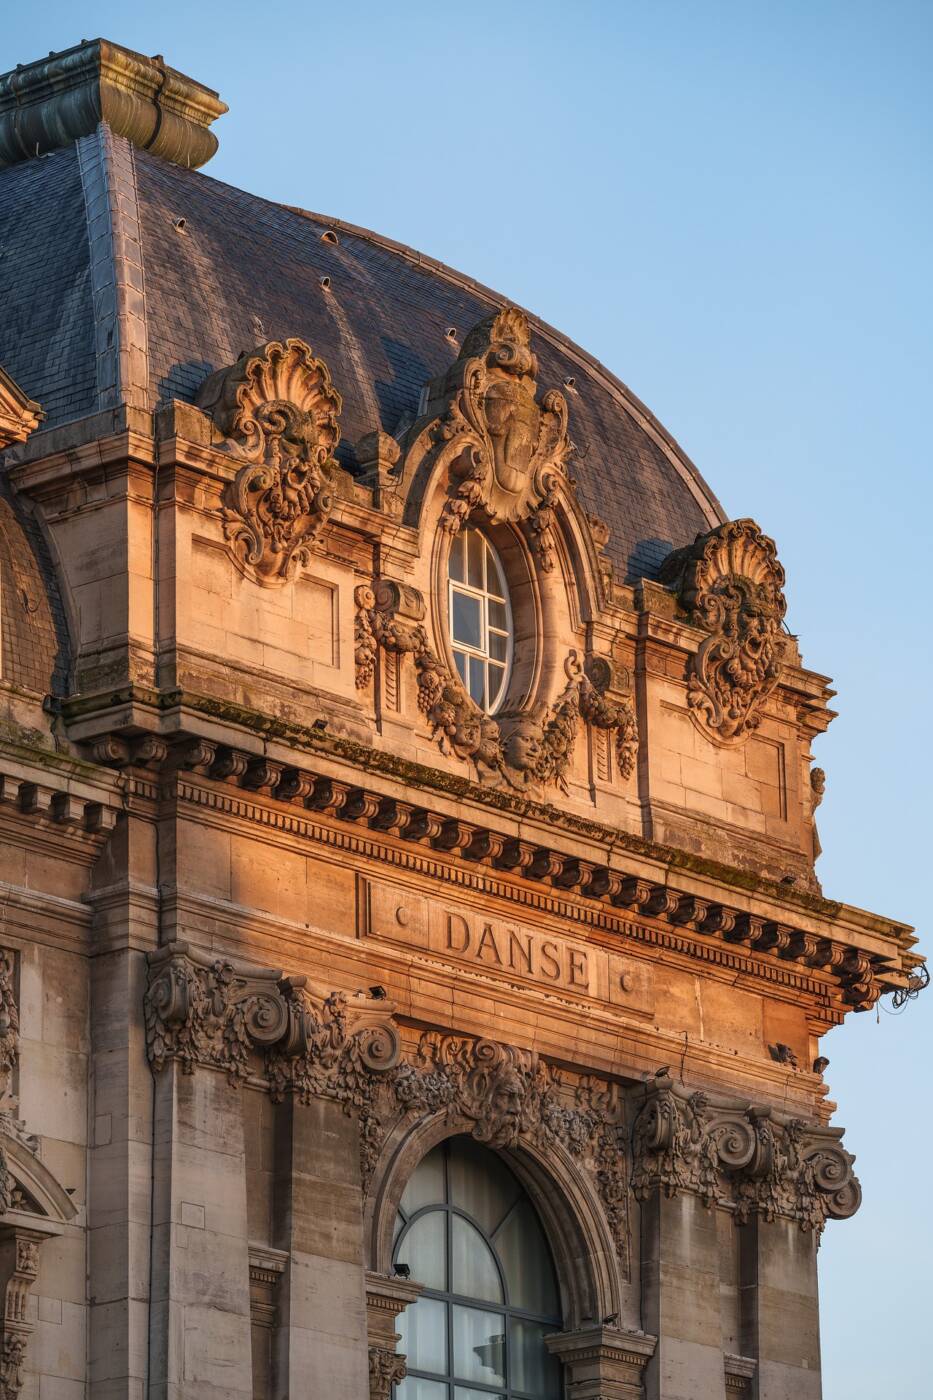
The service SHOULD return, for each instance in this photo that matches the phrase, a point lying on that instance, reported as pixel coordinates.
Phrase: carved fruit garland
(278, 408)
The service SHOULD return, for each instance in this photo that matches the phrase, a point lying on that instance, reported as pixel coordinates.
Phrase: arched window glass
(479, 618)
(469, 1233)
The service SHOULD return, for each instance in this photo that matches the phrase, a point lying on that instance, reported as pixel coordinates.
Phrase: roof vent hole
(570, 382)
(325, 283)
(180, 225)
(328, 236)
(451, 332)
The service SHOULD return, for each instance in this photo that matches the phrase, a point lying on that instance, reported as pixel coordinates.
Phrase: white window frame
(484, 596)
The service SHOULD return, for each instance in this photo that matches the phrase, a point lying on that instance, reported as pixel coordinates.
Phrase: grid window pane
(476, 554)
(467, 619)
(479, 1345)
(416, 1388)
(479, 617)
(473, 1271)
(423, 1339)
(469, 1338)
(498, 615)
(455, 567)
(478, 681)
(521, 1247)
(424, 1250)
(498, 646)
(532, 1368)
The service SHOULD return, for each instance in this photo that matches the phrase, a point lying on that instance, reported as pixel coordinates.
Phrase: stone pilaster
(320, 1345)
(200, 1322)
(680, 1297)
(780, 1309)
(780, 1179)
(602, 1362)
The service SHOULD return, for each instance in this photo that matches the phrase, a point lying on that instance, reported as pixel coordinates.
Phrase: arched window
(469, 1233)
(479, 618)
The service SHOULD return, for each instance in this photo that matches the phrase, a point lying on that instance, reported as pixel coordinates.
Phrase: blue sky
(730, 205)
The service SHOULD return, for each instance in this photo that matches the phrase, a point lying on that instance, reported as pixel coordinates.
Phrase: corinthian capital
(247, 1020)
(739, 1155)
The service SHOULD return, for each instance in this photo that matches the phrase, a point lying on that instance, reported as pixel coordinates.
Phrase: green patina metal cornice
(51, 103)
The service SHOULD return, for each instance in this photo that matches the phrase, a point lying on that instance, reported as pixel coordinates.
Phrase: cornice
(607, 888)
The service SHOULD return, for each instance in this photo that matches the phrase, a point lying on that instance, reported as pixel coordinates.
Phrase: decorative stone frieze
(204, 1011)
(731, 584)
(748, 1159)
(506, 1096)
(277, 408)
(501, 445)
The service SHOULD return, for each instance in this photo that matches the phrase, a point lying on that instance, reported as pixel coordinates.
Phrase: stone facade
(283, 907)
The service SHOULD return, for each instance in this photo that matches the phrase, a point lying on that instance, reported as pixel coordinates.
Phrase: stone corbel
(603, 1362)
(386, 1298)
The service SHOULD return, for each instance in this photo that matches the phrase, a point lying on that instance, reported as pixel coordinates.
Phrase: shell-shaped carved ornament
(278, 409)
(731, 584)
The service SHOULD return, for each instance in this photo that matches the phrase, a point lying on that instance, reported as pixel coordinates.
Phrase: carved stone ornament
(506, 1096)
(19, 415)
(386, 1369)
(203, 1011)
(503, 449)
(279, 410)
(731, 584)
(525, 750)
(744, 1158)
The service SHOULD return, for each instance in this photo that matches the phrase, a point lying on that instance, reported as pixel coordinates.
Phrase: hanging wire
(917, 982)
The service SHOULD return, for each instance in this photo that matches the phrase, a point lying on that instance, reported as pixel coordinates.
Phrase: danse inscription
(519, 950)
(506, 948)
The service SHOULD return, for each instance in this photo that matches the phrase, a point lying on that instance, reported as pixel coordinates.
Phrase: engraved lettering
(550, 966)
(523, 949)
(579, 972)
(488, 939)
(463, 931)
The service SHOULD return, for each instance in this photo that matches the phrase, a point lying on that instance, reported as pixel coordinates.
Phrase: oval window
(479, 618)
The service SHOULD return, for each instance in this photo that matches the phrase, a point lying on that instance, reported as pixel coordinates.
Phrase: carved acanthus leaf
(211, 1013)
(279, 410)
(386, 1369)
(730, 583)
(743, 1158)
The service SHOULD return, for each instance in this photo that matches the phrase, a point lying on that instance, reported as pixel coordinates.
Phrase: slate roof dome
(127, 277)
